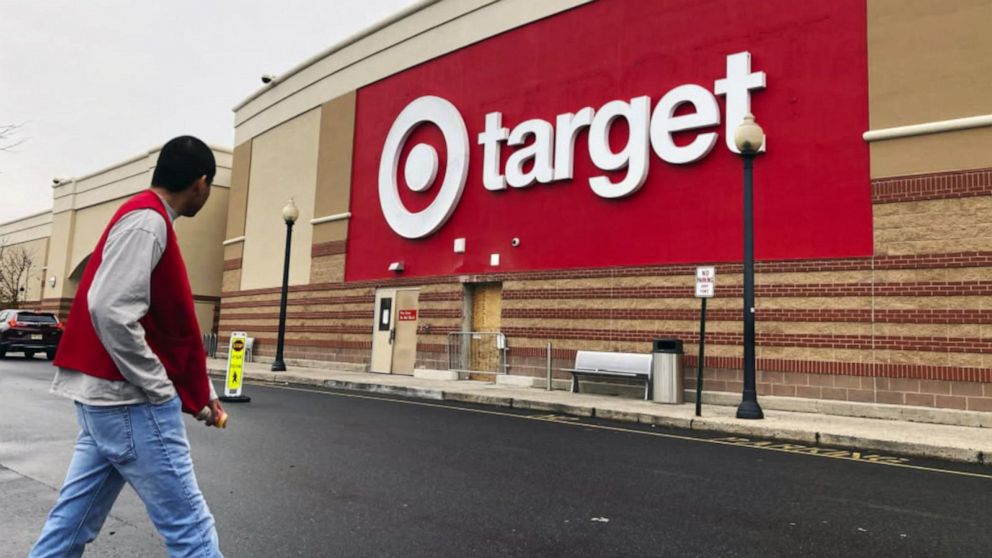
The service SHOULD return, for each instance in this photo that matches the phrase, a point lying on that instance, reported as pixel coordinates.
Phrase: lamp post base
(749, 410)
(278, 366)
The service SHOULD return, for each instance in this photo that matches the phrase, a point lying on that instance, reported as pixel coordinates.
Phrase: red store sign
(603, 137)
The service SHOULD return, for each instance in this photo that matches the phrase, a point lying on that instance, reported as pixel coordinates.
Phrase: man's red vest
(171, 329)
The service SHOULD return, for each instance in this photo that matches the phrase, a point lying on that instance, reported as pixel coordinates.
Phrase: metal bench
(600, 364)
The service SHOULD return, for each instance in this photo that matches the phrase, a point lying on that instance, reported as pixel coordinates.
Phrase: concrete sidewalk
(955, 443)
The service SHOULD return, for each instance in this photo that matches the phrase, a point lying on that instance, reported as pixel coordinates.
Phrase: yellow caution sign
(235, 367)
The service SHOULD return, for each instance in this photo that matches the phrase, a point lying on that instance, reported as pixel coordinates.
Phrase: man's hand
(216, 413)
(213, 414)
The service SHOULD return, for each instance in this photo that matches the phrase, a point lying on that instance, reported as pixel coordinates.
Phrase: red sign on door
(408, 316)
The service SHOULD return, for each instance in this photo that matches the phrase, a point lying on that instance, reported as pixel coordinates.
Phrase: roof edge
(26, 217)
(128, 161)
(350, 40)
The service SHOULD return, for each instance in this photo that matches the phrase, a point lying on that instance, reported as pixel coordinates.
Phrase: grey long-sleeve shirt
(118, 297)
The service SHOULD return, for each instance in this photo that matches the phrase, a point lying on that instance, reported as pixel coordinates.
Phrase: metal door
(382, 331)
(405, 340)
(394, 332)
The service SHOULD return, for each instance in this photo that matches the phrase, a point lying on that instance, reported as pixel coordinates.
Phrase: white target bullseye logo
(422, 166)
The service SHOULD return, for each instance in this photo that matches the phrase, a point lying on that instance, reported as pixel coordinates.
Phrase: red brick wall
(908, 326)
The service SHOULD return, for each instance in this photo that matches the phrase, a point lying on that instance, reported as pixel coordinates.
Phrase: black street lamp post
(749, 138)
(289, 214)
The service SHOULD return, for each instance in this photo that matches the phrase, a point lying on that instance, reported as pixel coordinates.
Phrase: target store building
(555, 171)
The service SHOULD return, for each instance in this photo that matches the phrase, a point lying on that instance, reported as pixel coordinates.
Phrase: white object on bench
(618, 365)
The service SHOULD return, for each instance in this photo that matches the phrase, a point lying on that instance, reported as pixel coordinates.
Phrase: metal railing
(210, 344)
(477, 352)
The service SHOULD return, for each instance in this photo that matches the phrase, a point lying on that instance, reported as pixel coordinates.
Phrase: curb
(820, 439)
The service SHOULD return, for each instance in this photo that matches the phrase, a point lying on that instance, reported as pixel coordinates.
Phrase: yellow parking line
(552, 418)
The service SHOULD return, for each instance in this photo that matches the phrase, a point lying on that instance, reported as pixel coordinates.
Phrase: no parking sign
(705, 282)
(705, 288)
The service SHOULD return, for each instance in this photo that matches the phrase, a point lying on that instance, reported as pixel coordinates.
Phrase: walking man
(132, 359)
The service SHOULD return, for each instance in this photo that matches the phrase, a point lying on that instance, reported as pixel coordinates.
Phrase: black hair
(181, 161)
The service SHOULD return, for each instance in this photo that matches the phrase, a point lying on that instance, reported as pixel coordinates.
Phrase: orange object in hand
(206, 415)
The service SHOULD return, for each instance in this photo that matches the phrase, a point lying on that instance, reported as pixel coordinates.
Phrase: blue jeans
(143, 445)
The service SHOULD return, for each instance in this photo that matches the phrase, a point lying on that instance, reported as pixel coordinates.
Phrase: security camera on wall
(268, 78)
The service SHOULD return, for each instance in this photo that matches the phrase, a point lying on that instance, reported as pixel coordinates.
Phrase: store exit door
(394, 333)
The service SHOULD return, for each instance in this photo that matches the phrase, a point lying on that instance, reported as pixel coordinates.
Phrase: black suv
(29, 332)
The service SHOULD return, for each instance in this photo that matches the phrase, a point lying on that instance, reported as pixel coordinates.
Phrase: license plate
(37, 337)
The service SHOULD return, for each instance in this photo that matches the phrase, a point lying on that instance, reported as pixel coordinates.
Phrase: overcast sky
(100, 81)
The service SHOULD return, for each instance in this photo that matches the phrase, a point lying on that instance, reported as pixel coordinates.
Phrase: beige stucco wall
(32, 234)
(205, 315)
(929, 61)
(37, 250)
(89, 226)
(283, 166)
(333, 195)
(201, 241)
(83, 206)
(27, 228)
(58, 256)
(237, 204)
(958, 150)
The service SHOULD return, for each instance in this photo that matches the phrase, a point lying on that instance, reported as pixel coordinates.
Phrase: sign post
(235, 368)
(705, 288)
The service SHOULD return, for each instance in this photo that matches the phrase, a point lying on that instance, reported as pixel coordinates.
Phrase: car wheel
(29, 354)
(50, 355)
